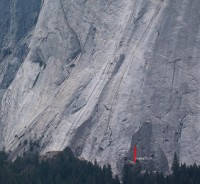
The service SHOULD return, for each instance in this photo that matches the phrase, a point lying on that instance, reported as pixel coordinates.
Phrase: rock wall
(101, 77)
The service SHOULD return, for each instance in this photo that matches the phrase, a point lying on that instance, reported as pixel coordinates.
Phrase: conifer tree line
(181, 174)
(65, 168)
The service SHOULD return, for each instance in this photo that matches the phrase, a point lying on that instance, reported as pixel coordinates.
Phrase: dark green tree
(175, 169)
(175, 164)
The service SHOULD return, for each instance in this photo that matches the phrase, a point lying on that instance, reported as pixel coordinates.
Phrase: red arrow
(134, 154)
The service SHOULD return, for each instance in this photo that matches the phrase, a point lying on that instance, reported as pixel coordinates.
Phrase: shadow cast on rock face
(17, 20)
(149, 153)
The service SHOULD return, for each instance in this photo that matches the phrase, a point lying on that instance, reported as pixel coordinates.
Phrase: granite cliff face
(101, 77)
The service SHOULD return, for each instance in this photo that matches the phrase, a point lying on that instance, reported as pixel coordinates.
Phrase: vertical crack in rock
(174, 71)
(74, 41)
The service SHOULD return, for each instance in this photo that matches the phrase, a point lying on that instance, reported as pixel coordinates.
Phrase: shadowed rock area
(101, 77)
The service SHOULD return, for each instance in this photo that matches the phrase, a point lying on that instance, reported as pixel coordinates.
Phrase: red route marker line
(134, 154)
